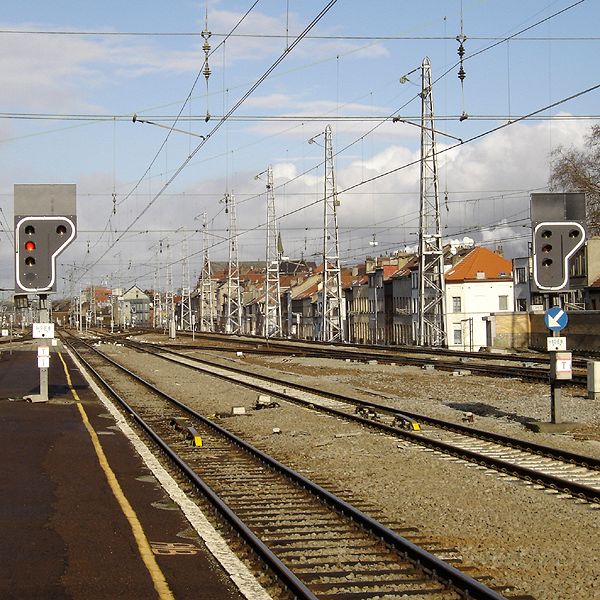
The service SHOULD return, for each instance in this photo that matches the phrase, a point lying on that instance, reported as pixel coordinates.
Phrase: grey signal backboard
(45, 224)
(561, 206)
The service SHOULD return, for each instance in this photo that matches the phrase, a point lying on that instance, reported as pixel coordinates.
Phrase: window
(520, 275)
(456, 304)
(503, 302)
(522, 305)
(457, 330)
(578, 265)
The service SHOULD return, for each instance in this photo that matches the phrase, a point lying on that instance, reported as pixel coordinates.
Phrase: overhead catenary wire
(264, 76)
(364, 37)
(471, 38)
(412, 163)
(385, 174)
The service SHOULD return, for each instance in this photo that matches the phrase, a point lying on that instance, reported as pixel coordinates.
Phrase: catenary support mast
(206, 291)
(431, 328)
(332, 325)
(272, 323)
(233, 323)
(186, 295)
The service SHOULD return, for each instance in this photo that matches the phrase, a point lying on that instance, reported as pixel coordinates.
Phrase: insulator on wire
(206, 69)
(461, 74)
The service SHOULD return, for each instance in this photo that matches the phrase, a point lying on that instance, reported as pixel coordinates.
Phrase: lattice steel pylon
(169, 295)
(333, 313)
(272, 321)
(186, 294)
(156, 298)
(206, 307)
(92, 305)
(431, 327)
(233, 316)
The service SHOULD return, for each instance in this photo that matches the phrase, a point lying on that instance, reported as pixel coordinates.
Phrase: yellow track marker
(158, 579)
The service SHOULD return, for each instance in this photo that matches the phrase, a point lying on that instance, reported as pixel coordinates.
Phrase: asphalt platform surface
(63, 533)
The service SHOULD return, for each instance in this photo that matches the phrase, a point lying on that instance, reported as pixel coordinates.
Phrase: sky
(73, 74)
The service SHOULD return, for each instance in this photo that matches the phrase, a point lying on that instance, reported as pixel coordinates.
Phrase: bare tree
(578, 170)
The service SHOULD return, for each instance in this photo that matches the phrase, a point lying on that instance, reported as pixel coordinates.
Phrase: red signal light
(30, 246)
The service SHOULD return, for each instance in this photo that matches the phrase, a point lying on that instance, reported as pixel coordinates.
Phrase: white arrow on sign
(553, 321)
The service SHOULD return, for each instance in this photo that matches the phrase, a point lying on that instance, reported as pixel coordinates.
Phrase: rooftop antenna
(431, 329)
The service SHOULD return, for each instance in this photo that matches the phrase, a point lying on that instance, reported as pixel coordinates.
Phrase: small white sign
(563, 365)
(43, 330)
(54, 342)
(5, 333)
(43, 351)
(556, 344)
(43, 362)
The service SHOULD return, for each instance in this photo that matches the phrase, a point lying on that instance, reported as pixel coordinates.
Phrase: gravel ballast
(542, 543)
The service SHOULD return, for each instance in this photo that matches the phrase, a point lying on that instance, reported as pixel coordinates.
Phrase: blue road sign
(556, 318)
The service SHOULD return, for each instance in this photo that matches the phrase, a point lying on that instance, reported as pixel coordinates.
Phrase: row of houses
(380, 297)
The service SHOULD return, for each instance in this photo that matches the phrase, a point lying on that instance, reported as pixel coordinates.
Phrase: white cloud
(53, 73)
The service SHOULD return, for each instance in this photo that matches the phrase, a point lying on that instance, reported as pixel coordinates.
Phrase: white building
(477, 286)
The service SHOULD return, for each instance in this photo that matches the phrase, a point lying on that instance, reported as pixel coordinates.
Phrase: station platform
(67, 530)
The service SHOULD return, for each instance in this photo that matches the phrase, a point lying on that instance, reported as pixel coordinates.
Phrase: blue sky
(350, 67)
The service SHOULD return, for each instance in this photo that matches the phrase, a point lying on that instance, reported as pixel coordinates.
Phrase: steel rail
(444, 572)
(547, 480)
(533, 447)
(397, 354)
(281, 571)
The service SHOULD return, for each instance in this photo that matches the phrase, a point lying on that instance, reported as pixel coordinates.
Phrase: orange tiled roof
(389, 270)
(480, 260)
(308, 292)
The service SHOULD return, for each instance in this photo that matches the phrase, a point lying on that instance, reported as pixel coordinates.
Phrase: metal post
(233, 323)
(555, 390)
(431, 325)
(43, 397)
(333, 314)
(272, 320)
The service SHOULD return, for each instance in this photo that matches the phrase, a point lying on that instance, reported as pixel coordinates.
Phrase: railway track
(319, 546)
(552, 469)
(531, 367)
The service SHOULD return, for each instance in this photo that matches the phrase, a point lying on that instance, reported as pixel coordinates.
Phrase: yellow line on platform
(158, 579)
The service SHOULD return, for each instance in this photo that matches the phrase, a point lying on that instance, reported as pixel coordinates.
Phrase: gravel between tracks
(543, 544)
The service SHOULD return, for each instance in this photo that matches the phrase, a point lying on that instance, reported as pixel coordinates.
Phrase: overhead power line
(260, 80)
(375, 38)
(274, 118)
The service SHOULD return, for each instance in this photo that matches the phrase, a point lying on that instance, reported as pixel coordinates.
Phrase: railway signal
(45, 224)
(558, 233)
(554, 243)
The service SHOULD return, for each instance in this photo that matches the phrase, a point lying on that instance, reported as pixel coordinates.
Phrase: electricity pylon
(170, 296)
(272, 323)
(186, 295)
(332, 325)
(233, 317)
(156, 299)
(431, 327)
(206, 291)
